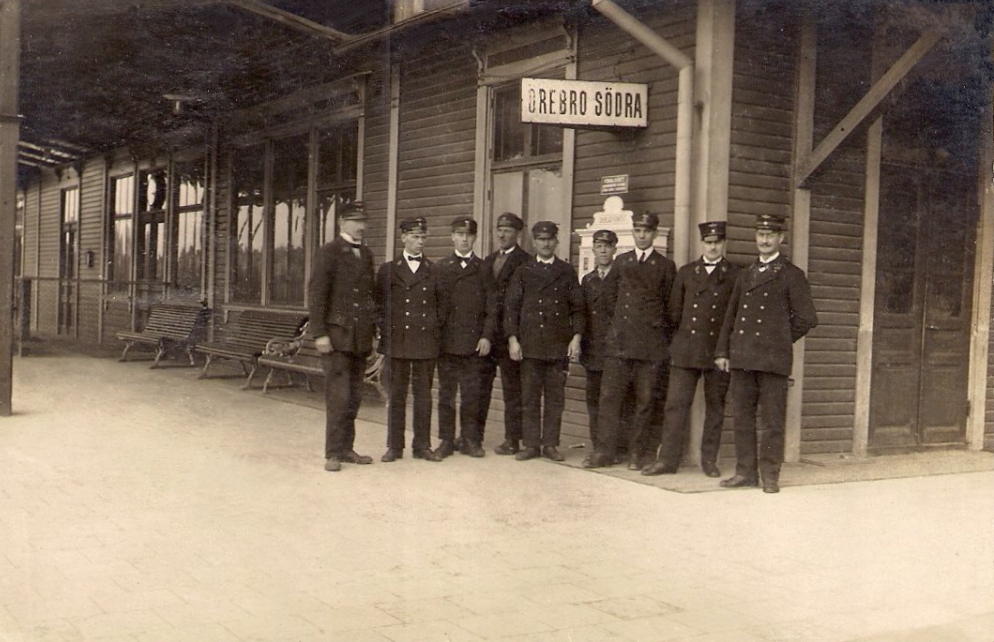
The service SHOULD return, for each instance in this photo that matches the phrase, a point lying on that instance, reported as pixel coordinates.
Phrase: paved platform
(140, 505)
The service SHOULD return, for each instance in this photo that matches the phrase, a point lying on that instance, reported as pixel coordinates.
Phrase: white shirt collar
(769, 260)
(643, 253)
(348, 238)
(548, 261)
(707, 262)
(508, 251)
(464, 256)
(408, 257)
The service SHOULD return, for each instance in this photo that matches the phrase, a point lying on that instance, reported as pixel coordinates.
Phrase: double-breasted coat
(470, 315)
(697, 310)
(544, 309)
(769, 309)
(600, 298)
(342, 297)
(410, 309)
(495, 286)
(640, 327)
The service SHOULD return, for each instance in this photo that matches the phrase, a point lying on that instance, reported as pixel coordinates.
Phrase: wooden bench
(170, 327)
(245, 339)
(301, 356)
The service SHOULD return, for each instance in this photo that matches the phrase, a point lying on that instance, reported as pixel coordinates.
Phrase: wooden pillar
(10, 46)
(393, 160)
(801, 215)
(713, 67)
(983, 281)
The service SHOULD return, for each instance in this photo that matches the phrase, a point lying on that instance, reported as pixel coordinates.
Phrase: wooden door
(924, 279)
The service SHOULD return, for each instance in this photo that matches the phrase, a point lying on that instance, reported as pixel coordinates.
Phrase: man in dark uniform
(697, 309)
(600, 297)
(341, 320)
(770, 308)
(409, 305)
(466, 340)
(497, 271)
(544, 322)
(637, 353)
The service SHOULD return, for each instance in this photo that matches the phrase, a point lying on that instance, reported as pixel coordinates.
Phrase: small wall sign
(617, 184)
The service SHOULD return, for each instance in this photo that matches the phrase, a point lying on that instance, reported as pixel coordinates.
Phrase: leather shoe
(528, 453)
(392, 454)
(459, 444)
(473, 450)
(710, 469)
(509, 447)
(427, 454)
(445, 448)
(635, 462)
(771, 486)
(551, 452)
(738, 481)
(332, 464)
(352, 457)
(659, 468)
(596, 460)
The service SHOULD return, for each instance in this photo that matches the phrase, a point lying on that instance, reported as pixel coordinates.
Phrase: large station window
(190, 227)
(152, 194)
(121, 242)
(248, 179)
(68, 257)
(528, 166)
(273, 223)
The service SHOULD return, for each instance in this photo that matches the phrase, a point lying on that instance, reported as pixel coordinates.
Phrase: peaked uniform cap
(770, 222)
(509, 219)
(645, 219)
(606, 236)
(546, 228)
(712, 228)
(415, 224)
(464, 224)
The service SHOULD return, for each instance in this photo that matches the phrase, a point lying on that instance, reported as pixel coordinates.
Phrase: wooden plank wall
(92, 206)
(437, 137)
(647, 156)
(46, 294)
(989, 421)
(762, 123)
(376, 158)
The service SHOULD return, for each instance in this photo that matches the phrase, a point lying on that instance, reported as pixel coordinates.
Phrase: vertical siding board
(92, 219)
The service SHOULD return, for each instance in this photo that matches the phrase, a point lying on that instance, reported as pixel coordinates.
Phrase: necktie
(642, 257)
(602, 274)
(415, 258)
(499, 263)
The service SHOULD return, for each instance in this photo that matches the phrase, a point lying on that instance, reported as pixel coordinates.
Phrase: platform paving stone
(146, 506)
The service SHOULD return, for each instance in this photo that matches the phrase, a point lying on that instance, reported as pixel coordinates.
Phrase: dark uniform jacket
(341, 295)
(640, 326)
(544, 309)
(470, 314)
(496, 288)
(600, 297)
(697, 309)
(409, 310)
(767, 312)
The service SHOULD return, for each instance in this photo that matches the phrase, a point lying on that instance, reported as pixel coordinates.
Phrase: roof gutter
(684, 122)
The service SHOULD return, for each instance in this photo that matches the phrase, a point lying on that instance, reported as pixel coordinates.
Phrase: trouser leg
(614, 388)
(593, 405)
(469, 399)
(745, 396)
(773, 401)
(554, 385)
(448, 384)
(488, 372)
(399, 376)
(679, 398)
(512, 384)
(422, 374)
(342, 394)
(641, 440)
(531, 382)
(715, 391)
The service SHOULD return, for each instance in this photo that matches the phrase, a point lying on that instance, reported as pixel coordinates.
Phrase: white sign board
(617, 184)
(578, 103)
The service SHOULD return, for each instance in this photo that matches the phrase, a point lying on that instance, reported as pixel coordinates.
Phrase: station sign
(617, 184)
(583, 103)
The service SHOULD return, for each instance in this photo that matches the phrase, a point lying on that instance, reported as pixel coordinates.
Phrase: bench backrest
(177, 321)
(254, 328)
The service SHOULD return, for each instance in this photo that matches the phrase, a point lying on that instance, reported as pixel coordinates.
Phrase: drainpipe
(684, 121)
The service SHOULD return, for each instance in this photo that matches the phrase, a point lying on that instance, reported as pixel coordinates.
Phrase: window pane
(338, 155)
(546, 139)
(509, 195)
(122, 213)
(189, 250)
(509, 132)
(247, 231)
(290, 194)
(545, 203)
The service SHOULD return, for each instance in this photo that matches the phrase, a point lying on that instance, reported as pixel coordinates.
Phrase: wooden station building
(198, 150)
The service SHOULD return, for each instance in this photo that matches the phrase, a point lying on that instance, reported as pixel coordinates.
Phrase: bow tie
(355, 245)
(415, 258)
(710, 263)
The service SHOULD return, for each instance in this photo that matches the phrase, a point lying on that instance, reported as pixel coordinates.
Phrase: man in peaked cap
(770, 308)
(409, 308)
(543, 320)
(497, 270)
(467, 337)
(637, 349)
(341, 319)
(697, 309)
(600, 297)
